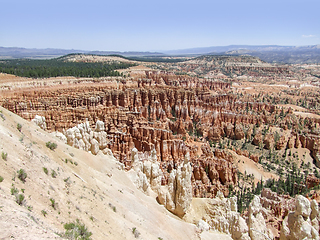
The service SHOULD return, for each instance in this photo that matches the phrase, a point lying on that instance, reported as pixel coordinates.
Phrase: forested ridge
(58, 67)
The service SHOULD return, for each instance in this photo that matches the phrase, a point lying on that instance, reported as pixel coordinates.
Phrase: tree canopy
(58, 67)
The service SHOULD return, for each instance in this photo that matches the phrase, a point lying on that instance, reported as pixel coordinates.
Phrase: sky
(154, 25)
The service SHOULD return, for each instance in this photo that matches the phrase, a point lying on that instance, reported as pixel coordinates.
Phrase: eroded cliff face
(154, 116)
(172, 114)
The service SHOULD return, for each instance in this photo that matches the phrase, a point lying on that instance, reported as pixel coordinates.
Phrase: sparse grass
(22, 175)
(53, 174)
(51, 145)
(53, 203)
(4, 156)
(66, 179)
(44, 213)
(2, 116)
(77, 230)
(29, 208)
(20, 198)
(135, 232)
(14, 190)
(45, 170)
(68, 160)
(1, 178)
(19, 127)
(113, 207)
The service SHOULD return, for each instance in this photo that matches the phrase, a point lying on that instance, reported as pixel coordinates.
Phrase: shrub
(4, 155)
(53, 203)
(53, 174)
(1, 179)
(51, 145)
(135, 232)
(20, 199)
(22, 175)
(77, 230)
(19, 126)
(44, 213)
(2, 116)
(45, 170)
(14, 190)
(113, 207)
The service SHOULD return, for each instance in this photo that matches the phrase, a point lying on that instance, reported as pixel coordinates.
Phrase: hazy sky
(148, 25)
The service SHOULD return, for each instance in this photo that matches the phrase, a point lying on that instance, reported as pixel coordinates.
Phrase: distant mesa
(268, 53)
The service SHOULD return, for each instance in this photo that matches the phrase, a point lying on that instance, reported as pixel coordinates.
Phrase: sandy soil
(246, 165)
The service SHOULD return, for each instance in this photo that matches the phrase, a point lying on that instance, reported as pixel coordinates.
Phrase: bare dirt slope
(90, 188)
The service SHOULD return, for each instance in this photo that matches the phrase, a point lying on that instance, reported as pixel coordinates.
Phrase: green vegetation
(58, 67)
(51, 145)
(19, 199)
(77, 230)
(44, 213)
(293, 183)
(14, 190)
(19, 126)
(1, 178)
(53, 203)
(4, 155)
(135, 232)
(53, 174)
(22, 175)
(68, 160)
(113, 207)
(45, 170)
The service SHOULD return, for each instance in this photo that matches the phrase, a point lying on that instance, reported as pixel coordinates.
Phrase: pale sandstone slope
(96, 190)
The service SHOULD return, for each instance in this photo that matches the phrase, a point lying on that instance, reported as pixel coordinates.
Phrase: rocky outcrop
(256, 221)
(83, 137)
(213, 172)
(268, 141)
(220, 214)
(303, 223)
(312, 181)
(176, 195)
(257, 139)
(40, 121)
